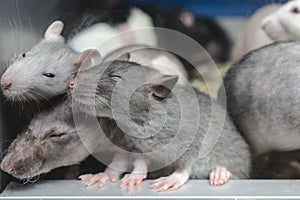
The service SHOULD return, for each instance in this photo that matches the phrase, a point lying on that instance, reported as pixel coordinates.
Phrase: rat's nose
(6, 85)
(71, 84)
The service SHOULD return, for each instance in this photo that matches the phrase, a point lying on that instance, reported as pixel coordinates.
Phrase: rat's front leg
(172, 182)
(138, 174)
(112, 173)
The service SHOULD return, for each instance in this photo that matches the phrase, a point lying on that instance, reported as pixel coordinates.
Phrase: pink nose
(6, 85)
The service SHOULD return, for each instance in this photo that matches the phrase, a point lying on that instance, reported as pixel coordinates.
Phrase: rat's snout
(13, 168)
(71, 82)
(6, 84)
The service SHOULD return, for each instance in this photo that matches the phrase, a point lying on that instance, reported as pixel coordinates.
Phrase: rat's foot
(101, 178)
(133, 181)
(219, 176)
(172, 182)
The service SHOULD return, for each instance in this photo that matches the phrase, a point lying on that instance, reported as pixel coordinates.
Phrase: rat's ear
(124, 57)
(163, 85)
(88, 58)
(54, 30)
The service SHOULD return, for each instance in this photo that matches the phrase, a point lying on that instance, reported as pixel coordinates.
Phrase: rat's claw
(219, 176)
(133, 181)
(90, 179)
(85, 178)
(167, 183)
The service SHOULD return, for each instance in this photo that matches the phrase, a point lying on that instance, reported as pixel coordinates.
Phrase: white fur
(97, 34)
(284, 24)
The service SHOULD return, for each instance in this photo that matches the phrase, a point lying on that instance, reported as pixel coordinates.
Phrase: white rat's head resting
(283, 25)
(41, 72)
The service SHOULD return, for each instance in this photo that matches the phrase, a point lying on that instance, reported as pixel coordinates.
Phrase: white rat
(252, 36)
(283, 25)
(42, 72)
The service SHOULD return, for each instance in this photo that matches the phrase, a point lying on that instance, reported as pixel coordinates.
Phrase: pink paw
(167, 183)
(101, 178)
(219, 176)
(132, 181)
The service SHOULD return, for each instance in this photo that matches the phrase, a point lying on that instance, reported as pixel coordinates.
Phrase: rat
(282, 25)
(51, 140)
(43, 71)
(263, 97)
(165, 126)
(159, 59)
(252, 36)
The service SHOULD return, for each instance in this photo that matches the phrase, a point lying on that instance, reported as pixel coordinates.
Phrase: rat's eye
(57, 135)
(114, 75)
(50, 75)
(295, 10)
(23, 55)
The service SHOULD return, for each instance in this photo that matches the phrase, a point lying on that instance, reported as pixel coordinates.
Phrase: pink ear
(163, 85)
(54, 30)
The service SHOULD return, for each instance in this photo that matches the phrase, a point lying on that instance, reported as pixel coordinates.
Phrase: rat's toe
(219, 176)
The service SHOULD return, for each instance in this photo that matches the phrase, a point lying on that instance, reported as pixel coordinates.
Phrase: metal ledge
(194, 189)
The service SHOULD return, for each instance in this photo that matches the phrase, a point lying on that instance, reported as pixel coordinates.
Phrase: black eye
(50, 75)
(57, 135)
(23, 55)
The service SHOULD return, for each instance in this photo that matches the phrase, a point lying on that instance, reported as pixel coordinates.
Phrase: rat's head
(49, 142)
(43, 71)
(283, 25)
(120, 82)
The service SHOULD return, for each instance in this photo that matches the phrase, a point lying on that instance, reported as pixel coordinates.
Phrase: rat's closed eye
(57, 135)
(49, 75)
(114, 75)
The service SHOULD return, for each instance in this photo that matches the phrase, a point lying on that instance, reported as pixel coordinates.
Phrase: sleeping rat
(263, 95)
(51, 141)
(283, 25)
(165, 125)
(43, 71)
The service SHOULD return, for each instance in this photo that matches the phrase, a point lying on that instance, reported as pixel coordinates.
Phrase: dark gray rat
(263, 95)
(42, 72)
(52, 140)
(163, 122)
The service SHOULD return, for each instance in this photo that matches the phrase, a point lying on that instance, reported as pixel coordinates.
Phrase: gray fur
(263, 97)
(142, 118)
(35, 152)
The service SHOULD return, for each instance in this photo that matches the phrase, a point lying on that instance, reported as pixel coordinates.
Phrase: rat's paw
(219, 176)
(90, 179)
(167, 183)
(133, 181)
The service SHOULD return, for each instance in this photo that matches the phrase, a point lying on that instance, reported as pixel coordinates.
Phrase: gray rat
(164, 123)
(52, 140)
(43, 71)
(262, 93)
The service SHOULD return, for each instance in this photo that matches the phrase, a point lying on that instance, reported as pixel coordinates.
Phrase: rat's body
(152, 104)
(51, 140)
(252, 36)
(263, 96)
